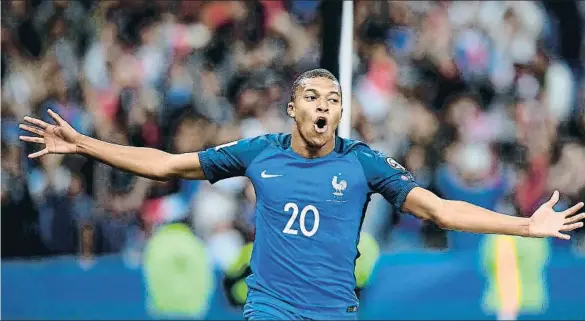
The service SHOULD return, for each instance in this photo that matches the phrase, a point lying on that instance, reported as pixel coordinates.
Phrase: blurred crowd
(481, 100)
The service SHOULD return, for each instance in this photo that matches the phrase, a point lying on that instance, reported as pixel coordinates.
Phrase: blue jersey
(308, 217)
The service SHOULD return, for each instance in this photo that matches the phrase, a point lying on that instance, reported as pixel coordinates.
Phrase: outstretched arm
(61, 138)
(462, 216)
(147, 162)
(397, 185)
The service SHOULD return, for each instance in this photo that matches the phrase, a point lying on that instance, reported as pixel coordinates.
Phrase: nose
(322, 108)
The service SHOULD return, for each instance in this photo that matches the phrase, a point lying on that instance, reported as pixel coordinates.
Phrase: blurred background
(482, 100)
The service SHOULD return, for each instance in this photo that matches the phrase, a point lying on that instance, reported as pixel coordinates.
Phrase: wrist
(80, 143)
(525, 228)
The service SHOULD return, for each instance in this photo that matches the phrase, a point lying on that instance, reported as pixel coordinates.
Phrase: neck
(300, 146)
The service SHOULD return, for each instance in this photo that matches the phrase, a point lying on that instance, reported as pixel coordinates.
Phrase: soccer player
(312, 189)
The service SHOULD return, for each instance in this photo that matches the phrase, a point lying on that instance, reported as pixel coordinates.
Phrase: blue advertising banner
(403, 286)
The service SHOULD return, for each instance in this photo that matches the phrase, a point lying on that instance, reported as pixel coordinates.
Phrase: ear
(290, 110)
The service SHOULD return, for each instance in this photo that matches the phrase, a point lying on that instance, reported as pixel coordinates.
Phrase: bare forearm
(146, 162)
(463, 216)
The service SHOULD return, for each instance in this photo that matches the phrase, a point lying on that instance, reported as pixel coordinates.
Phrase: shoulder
(359, 149)
(251, 144)
(278, 140)
(347, 146)
(247, 149)
(372, 161)
(259, 144)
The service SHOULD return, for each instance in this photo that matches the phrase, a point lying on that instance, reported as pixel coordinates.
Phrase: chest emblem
(339, 186)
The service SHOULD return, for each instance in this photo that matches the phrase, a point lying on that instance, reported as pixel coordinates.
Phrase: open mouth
(321, 125)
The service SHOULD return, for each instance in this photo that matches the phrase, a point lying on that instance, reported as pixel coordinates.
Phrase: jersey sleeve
(387, 177)
(231, 159)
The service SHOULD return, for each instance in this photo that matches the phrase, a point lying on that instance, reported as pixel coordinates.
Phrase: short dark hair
(309, 74)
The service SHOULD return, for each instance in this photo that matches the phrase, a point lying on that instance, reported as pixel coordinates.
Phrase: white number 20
(295, 211)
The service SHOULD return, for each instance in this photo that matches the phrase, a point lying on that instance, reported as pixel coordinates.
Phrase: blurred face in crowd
(248, 103)
(18, 8)
(416, 158)
(108, 33)
(316, 110)
(5, 36)
(58, 29)
(473, 162)
(76, 186)
(60, 86)
(274, 93)
(61, 3)
(11, 160)
(461, 110)
(399, 13)
(192, 134)
(424, 125)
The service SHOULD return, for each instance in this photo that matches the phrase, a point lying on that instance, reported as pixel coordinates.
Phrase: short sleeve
(231, 159)
(387, 177)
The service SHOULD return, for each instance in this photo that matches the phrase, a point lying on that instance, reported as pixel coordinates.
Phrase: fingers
(573, 209)
(570, 227)
(34, 130)
(56, 117)
(37, 122)
(39, 153)
(575, 218)
(30, 139)
(31, 129)
(43, 124)
(563, 236)
(554, 199)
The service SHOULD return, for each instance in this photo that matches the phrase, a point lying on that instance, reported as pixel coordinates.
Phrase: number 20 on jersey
(295, 212)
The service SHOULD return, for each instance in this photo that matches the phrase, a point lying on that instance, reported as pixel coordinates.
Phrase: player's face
(317, 110)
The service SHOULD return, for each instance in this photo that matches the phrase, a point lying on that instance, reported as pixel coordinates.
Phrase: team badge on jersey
(338, 185)
(394, 164)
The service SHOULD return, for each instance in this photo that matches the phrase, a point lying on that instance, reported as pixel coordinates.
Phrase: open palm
(58, 139)
(546, 222)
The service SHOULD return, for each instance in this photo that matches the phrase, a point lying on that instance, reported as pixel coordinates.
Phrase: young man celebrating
(312, 189)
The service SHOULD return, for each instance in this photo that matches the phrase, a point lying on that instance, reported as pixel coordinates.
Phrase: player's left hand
(546, 222)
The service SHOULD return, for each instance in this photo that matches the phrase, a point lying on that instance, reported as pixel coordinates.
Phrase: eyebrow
(329, 93)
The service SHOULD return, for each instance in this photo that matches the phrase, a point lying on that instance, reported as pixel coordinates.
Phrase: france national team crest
(338, 185)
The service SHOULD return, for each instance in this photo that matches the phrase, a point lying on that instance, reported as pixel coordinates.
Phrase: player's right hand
(58, 139)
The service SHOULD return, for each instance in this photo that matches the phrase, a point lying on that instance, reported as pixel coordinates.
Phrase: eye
(334, 100)
(310, 97)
